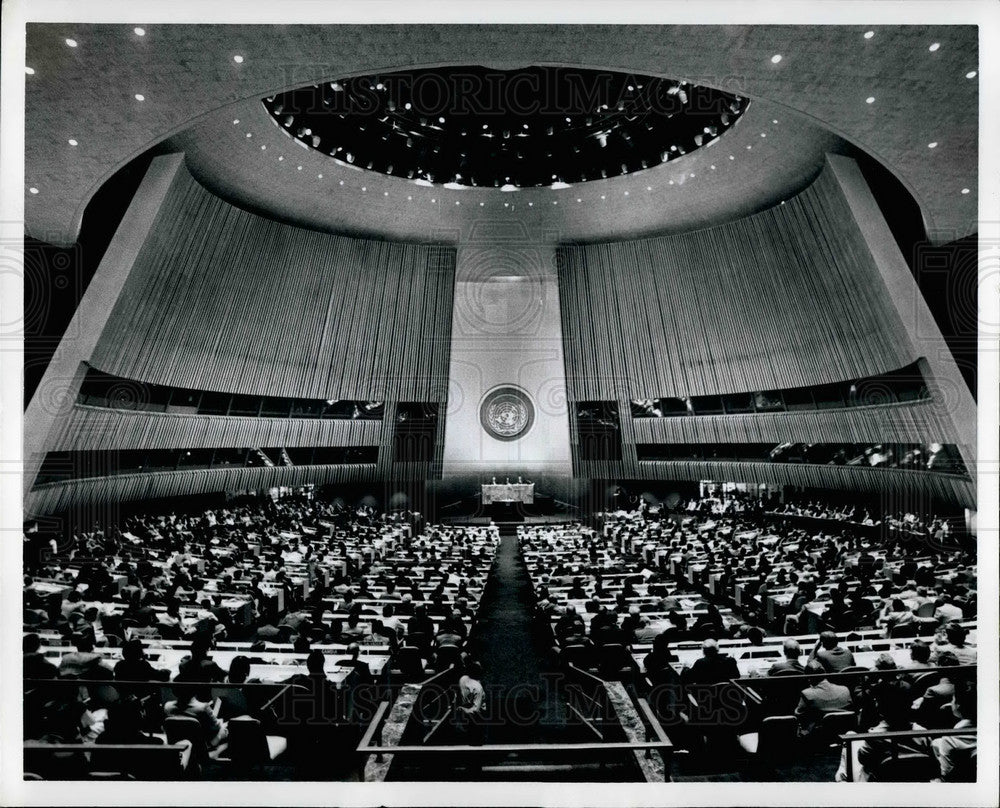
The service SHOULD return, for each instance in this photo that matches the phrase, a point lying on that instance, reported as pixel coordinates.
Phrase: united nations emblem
(507, 413)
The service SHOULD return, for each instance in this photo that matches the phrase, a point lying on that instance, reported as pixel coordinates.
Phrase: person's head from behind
(239, 669)
(791, 649)
(31, 643)
(816, 672)
(474, 670)
(895, 704)
(84, 642)
(828, 640)
(946, 659)
(90, 614)
(755, 635)
(884, 662)
(710, 648)
(124, 719)
(956, 634)
(353, 650)
(132, 651)
(301, 644)
(898, 605)
(920, 652)
(201, 645)
(74, 597)
(316, 662)
(387, 610)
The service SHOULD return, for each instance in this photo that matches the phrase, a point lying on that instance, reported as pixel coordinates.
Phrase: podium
(508, 492)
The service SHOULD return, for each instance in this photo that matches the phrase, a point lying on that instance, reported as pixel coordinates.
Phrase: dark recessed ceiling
(478, 127)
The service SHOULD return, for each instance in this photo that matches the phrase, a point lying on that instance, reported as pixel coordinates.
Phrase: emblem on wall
(507, 413)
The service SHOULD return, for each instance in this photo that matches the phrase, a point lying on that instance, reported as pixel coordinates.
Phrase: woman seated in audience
(187, 702)
(893, 614)
(894, 711)
(657, 661)
(956, 754)
(953, 641)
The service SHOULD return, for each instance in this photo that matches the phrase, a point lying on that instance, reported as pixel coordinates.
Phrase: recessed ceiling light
(712, 167)
(776, 58)
(282, 157)
(249, 134)
(365, 188)
(554, 202)
(139, 31)
(964, 190)
(31, 71)
(671, 182)
(238, 59)
(342, 182)
(932, 145)
(626, 193)
(749, 146)
(934, 47)
(603, 196)
(236, 121)
(386, 193)
(319, 176)
(579, 200)
(870, 99)
(140, 97)
(72, 142)
(299, 168)
(263, 146)
(34, 190)
(970, 75)
(869, 34)
(530, 204)
(775, 120)
(71, 42)
(481, 204)
(763, 134)
(649, 187)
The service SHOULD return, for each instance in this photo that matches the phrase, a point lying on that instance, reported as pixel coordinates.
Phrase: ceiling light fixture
(932, 145)
(31, 71)
(965, 190)
(869, 34)
(71, 42)
(34, 190)
(934, 47)
(776, 58)
(970, 75)
(870, 99)
(238, 59)
(139, 31)
(140, 97)
(72, 142)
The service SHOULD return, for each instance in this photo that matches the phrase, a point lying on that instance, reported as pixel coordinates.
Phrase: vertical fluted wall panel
(788, 297)
(222, 299)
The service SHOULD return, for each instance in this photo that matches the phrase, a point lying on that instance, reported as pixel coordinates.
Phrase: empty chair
(249, 745)
(775, 738)
(614, 661)
(903, 630)
(907, 768)
(578, 655)
(834, 724)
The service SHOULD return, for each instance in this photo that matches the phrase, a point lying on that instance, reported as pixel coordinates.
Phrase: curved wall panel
(894, 423)
(780, 299)
(97, 428)
(898, 487)
(78, 494)
(222, 299)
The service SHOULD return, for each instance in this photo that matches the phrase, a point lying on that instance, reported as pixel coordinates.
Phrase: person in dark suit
(359, 666)
(713, 667)
(36, 666)
(792, 652)
(821, 696)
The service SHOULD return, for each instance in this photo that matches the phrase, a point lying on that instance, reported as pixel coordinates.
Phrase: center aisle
(525, 706)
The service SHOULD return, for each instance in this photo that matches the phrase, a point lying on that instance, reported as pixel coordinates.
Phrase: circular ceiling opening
(479, 127)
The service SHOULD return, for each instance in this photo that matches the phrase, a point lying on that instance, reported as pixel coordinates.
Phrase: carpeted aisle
(525, 706)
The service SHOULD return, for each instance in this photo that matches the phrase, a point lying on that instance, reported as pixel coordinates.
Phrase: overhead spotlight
(776, 58)
(934, 47)
(72, 43)
(140, 97)
(238, 59)
(971, 74)
(139, 31)
(29, 70)
(869, 34)
(870, 99)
